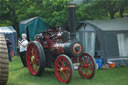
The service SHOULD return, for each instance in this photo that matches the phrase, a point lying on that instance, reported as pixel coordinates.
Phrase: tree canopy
(55, 13)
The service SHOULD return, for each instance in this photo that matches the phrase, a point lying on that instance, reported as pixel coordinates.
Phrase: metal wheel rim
(33, 59)
(62, 69)
(86, 67)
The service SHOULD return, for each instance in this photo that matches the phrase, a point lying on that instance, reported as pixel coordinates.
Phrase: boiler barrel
(73, 48)
(70, 48)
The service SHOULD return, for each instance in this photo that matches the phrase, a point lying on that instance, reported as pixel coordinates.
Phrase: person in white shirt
(23, 47)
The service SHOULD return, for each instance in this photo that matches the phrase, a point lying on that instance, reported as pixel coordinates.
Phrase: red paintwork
(75, 59)
(62, 69)
(77, 45)
(52, 41)
(86, 67)
(33, 66)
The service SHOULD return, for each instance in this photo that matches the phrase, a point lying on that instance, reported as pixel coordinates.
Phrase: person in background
(23, 47)
(9, 45)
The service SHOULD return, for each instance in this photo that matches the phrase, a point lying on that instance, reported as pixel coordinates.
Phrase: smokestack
(72, 19)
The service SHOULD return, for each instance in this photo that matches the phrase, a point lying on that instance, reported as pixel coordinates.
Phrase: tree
(54, 12)
(10, 10)
(123, 6)
(112, 6)
(91, 10)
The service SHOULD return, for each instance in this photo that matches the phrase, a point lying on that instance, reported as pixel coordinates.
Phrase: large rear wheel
(87, 66)
(3, 61)
(63, 68)
(35, 58)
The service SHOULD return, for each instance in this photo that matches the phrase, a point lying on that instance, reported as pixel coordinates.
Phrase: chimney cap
(71, 5)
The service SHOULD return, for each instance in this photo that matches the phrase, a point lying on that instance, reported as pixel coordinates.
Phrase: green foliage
(5, 23)
(55, 13)
(90, 11)
(111, 7)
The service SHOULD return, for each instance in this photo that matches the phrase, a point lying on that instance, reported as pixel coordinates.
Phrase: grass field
(20, 76)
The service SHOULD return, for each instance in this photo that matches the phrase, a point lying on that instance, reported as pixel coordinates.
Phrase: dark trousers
(23, 58)
(9, 55)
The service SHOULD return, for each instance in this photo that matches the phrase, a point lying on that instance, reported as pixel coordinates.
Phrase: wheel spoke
(63, 69)
(80, 60)
(33, 58)
(85, 59)
(63, 62)
(64, 76)
(68, 73)
(86, 69)
(32, 63)
(67, 63)
(36, 53)
(32, 51)
(37, 61)
(59, 65)
(58, 69)
(91, 67)
(35, 67)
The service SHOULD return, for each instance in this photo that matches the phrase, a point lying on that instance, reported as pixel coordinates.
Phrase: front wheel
(35, 58)
(86, 68)
(63, 68)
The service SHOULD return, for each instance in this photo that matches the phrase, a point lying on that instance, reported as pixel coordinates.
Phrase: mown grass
(20, 76)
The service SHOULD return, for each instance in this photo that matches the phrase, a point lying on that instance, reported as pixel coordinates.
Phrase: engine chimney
(72, 20)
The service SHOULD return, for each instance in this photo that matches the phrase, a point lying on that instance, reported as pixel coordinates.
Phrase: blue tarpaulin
(11, 34)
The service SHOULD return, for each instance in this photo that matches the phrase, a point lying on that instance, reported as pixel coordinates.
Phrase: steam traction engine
(58, 49)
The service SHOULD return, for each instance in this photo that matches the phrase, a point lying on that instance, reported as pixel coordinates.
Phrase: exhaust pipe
(72, 20)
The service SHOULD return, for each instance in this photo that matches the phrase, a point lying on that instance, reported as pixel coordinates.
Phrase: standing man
(23, 47)
(9, 46)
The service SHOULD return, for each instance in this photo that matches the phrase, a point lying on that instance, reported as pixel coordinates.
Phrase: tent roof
(28, 20)
(11, 28)
(5, 30)
(107, 25)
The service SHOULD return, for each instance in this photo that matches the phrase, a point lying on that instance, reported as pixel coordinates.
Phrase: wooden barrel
(3, 61)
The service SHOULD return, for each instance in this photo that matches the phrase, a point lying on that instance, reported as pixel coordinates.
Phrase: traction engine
(59, 49)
